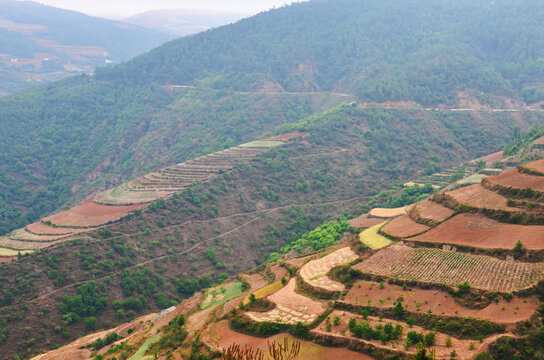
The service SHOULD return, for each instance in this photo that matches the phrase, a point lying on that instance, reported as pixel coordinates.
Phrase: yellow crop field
(371, 238)
(266, 291)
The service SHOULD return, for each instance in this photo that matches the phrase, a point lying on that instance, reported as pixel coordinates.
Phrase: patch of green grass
(372, 239)
(230, 292)
(472, 179)
(140, 354)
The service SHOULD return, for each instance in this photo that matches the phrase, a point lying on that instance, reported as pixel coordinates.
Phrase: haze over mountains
(182, 22)
(42, 43)
(377, 92)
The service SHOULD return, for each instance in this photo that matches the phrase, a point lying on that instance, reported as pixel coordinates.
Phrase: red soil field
(90, 214)
(440, 303)
(6, 259)
(43, 229)
(539, 141)
(492, 157)
(403, 226)
(537, 166)
(364, 221)
(478, 231)
(516, 180)
(220, 336)
(479, 197)
(431, 210)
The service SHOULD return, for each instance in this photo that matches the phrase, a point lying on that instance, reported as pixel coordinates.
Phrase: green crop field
(229, 292)
(371, 238)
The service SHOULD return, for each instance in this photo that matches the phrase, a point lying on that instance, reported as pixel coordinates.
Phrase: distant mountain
(40, 43)
(182, 22)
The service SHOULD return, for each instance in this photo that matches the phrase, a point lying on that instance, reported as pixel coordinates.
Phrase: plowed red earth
(5, 259)
(492, 157)
(439, 302)
(516, 180)
(481, 198)
(539, 141)
(403, 226)
(481, 232)
(90, 214)
(433, 211)
(42, 229)
(364, 221)
(220, 336)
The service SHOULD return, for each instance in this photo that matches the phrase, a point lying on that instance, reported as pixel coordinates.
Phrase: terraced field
(373, 239)
(387, 213)
(429, 211)
(364, 221)
(169, 180)
(477, 196)
(476, 230)
(113, 204)
(315, 271)
(403, 226)
(452, 268)
(515, 180)
(290, 307)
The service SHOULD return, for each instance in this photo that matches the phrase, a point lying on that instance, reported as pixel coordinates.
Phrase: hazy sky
(124, 8)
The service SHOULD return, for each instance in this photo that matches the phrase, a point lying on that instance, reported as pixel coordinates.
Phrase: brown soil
(6, 259)
(296, 262)
(315, 271)
(291, 307)
(90, 214)
(256, 281)
(439, 302)
(479, 197)
(220, 336)
(516, 180)
(450, 268)
(43, 229)
(492, 157)
(387, 213)
(539, 141)
(479, 231)
(430, 210)
(364, 221)
(279, 272)
(402, 227)
(442, 351)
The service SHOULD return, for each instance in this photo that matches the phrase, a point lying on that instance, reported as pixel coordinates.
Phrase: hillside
(447, 273)
(41, 43)
(183, 22)
(163, 253)
(286, 68)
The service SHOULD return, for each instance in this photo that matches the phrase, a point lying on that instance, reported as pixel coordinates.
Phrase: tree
(518, 249)
(399, 309)
(421, 353)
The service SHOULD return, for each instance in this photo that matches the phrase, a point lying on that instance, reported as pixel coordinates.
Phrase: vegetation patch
(373, 239)
(222, 295)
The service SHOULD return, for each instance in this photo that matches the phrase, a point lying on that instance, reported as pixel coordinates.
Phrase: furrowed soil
(403, 226)
(476, 230)
(439, 302)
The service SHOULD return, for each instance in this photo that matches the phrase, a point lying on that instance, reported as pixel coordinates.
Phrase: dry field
(438, 302)
(452, 268)
(478, 231)
(43, 229)
(290, 307)
(538, 165)
(7, 243)
(219, 336)
(403, 226)
(387, 213)
(364, 221)
(430, 210)
(23, 235)
(516, 180)
(315, 271)
(479, 197)
(442, 351)
(90, 214)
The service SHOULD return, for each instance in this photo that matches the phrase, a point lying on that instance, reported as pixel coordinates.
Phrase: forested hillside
(233, 222)
(41, 43)
(56, 148)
